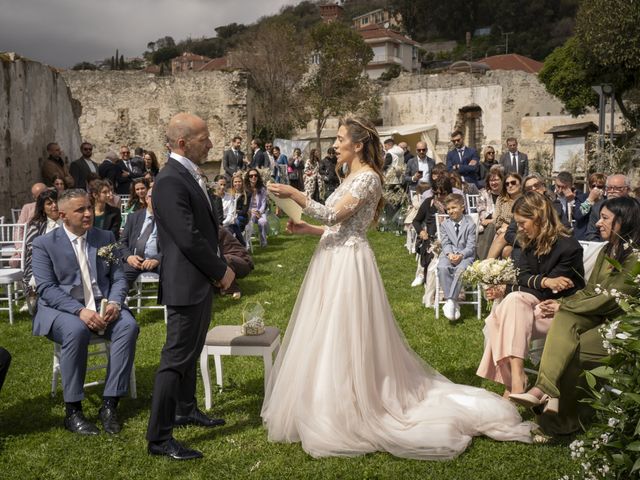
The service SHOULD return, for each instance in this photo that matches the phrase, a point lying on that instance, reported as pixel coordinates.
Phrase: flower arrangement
(491, 272)
(611, 447)
(111, 253)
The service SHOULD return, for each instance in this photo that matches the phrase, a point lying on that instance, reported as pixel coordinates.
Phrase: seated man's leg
(5, 361)
(123, 334)
(131, 274)
(73, 335)
(240, 266)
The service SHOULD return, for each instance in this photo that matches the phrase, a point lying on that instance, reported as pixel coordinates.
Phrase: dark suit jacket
(79, 170)
(131, 233)
(230, 163)
(592, 232)
(470, 173)
(259, 160)
(523, 163)
(411, 169)
(112, 220)
(187, 237)
(564, 260)
(109, 171)
(57, 274)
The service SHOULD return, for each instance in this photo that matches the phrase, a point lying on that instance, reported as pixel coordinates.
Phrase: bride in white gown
(345, 382)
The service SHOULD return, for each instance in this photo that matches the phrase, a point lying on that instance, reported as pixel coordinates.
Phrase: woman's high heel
(549, 404)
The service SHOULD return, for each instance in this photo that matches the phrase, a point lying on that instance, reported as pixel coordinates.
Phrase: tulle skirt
(346, 383)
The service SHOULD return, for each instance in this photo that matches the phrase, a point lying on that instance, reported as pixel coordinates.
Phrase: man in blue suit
(464, 160)
(72, 279)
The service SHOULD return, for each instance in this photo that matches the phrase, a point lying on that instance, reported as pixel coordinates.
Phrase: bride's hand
(299, 228)
(280, 190)
(495, 292)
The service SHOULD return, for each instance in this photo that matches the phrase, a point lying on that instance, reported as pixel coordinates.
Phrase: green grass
(34, 444)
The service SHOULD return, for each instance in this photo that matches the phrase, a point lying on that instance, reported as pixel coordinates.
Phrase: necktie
(460, 152)
(457, 230)
(514, 162)
(141, 243)
(87, 290)
(199, 176)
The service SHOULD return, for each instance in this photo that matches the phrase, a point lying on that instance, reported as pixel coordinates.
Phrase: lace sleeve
(362, 188)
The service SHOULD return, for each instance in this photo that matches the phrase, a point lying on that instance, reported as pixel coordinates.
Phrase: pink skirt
(509, 329)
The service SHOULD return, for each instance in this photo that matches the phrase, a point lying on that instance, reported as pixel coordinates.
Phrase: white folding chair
(475, 294)
(124, 202)
(145, 288)
(12, 246)
(471, 203)
(101, 346)
(15, 214)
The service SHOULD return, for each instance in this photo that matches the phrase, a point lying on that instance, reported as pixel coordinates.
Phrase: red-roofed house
(512, 61)
(221, 63)
(389, 48)
(188, 62)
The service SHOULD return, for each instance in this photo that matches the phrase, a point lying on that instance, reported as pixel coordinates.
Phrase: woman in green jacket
(578, 317)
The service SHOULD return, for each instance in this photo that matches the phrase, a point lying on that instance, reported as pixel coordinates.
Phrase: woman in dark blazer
(576, 319)
(549, 267)
(105, 217)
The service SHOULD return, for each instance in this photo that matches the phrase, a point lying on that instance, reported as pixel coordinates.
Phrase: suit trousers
(174, 388)
(73, 335)
(450, 276)
(571, 385)
(131, 274)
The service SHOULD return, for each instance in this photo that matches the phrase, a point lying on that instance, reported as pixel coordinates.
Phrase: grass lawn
(34, 443)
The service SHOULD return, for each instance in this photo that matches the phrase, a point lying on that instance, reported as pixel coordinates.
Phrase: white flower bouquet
(110, 253)
(491, 272)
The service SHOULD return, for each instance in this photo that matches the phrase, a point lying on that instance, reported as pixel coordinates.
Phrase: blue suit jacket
(470, 173)
(58, 278)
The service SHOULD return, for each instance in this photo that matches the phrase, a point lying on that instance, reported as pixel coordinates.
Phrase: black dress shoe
(109, 419)
(77, 423)
(197, 417)
(172, 449)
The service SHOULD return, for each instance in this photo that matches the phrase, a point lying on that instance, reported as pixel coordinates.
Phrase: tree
(336, 83)
(276, 59)
(84, 66)
(122, 65)
(164, 54)
(605, 49)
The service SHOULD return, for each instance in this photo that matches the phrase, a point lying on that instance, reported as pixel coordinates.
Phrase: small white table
(229, 340)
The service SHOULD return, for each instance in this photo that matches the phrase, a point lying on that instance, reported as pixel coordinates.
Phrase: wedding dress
(345, 382)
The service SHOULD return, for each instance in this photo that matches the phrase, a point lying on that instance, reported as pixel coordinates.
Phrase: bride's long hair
(363, 131)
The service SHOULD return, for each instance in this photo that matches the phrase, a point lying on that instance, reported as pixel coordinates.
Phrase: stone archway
(469, 122)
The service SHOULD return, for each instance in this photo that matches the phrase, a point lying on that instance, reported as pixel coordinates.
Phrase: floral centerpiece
(491, 272)
(611, 446)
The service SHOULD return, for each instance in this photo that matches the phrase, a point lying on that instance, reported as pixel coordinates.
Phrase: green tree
(164, 54)
(84, 66)
(336, 83)
(122, 65)
(276, 58)
(605, 49)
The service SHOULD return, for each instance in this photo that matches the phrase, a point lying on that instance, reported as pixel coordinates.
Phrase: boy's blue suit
(59, 286)
(464, 243)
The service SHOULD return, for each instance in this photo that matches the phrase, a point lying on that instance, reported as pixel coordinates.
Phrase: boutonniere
(110, 253)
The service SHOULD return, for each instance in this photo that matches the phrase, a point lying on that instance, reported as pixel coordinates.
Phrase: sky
(62, 33)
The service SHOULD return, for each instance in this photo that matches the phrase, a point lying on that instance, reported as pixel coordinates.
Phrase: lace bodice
(349, 211)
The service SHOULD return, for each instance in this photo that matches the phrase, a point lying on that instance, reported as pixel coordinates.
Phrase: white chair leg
(218, 362)
(479, 307)
(10, 295)
(54, 373)
(206, 380)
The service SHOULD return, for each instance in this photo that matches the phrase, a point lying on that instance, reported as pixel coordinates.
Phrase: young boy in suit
(458, 237)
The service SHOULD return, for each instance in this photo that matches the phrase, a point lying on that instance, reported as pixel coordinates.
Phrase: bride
(345, 382)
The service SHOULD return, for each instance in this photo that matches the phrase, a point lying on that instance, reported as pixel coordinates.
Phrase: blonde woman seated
(550, 267)
(511, 189)
(577, 318)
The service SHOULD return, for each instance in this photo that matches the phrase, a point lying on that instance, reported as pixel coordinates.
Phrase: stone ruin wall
(133, 108)
(36, 108)
(506, 98)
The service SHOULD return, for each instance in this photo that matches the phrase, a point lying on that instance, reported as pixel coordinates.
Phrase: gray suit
(231, 162)
(411, 169)
(59, 286)
(464, 243)
(523, 163)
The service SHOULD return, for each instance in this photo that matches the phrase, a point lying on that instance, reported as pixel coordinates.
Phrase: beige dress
(345, 382)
